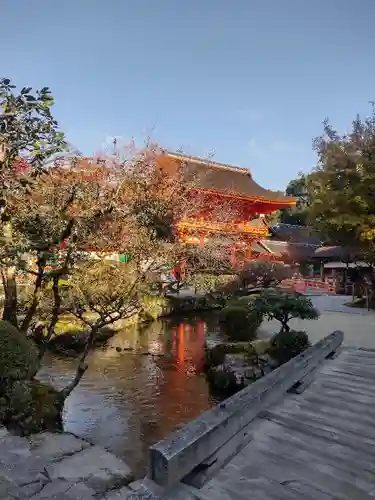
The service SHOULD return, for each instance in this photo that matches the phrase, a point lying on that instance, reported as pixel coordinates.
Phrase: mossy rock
(29, 406)
(222, 382)
(18, 356)
(215, 356)
(75, 340)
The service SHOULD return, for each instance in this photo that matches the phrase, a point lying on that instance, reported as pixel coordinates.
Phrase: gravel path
(358, 325)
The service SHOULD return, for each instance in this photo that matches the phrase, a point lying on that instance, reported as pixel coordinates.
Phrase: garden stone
(122, 494)
(64, 490)
(94, 466)
(53, 447)
(13, 446)
(23, 472)
(5, 486)
(26, 491)
(135, 485)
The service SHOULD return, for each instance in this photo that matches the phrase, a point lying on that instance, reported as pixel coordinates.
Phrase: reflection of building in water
(183, 394)
(185, 345)
(123, 403)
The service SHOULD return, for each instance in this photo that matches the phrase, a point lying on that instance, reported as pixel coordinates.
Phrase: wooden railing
(206, 444)
(308, 285)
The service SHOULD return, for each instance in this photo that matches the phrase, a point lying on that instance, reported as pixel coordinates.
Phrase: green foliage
(263, 274)
(27, 127)
(29, 406)
(285, 345)
(283, 306)
(207, 283)
(112, 291)
(298, 215)
(343, 186)
(153, 306)
(256, 274)
(18, 356)
(240, 321)
(74, 340)
(183, 304)
(215, 356)
(222, 381)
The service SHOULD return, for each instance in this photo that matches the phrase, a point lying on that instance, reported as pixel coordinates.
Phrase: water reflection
(130, 399)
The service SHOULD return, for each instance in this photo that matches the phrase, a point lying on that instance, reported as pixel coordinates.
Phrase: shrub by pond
(26, 405)
(184, 304)
(285, 345)
(240, 321)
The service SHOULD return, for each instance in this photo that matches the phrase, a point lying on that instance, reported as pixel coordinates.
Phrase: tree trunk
(36, 296)
(10, 292)
(56, 307)
(82, 365)
(284, 326)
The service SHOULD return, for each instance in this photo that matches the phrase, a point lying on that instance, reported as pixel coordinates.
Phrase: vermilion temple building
(218, 184)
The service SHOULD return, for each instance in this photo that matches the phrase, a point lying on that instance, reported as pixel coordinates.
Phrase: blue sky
(248, 80)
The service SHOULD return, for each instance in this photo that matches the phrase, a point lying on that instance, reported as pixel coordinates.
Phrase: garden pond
(144, 384)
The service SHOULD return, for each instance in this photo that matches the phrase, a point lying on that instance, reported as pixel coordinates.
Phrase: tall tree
(29, 136)
(298, 215)
(343, 186)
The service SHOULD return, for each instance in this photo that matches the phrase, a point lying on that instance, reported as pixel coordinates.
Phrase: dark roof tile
(223, 178)
(295, 234)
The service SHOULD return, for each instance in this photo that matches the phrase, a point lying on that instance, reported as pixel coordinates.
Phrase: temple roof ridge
(209, 162)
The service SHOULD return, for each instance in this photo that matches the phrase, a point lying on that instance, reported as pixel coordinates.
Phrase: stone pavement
(59, 467)
(358, 325)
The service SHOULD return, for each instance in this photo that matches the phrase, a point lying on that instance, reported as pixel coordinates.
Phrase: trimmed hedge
(240, 321)
(285, 345)
(18, 356)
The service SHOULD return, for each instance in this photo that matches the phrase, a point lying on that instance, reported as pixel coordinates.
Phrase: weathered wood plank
(329, 479)
(175, 457)
(336, 400)
(342, 454)
(360, 360)
(344, 384)
(352, 369)
(214, 463)
(340, 407)
(334, 371)
(342, 396)
(365, 430)
(327, 432)
(340, 466)
(318, 445)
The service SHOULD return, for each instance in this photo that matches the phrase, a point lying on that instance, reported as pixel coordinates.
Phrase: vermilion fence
(307, 286)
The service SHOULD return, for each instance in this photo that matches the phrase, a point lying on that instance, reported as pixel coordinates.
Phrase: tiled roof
(295, 234)
(223, 178)
(294, 251)
(342, 253)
